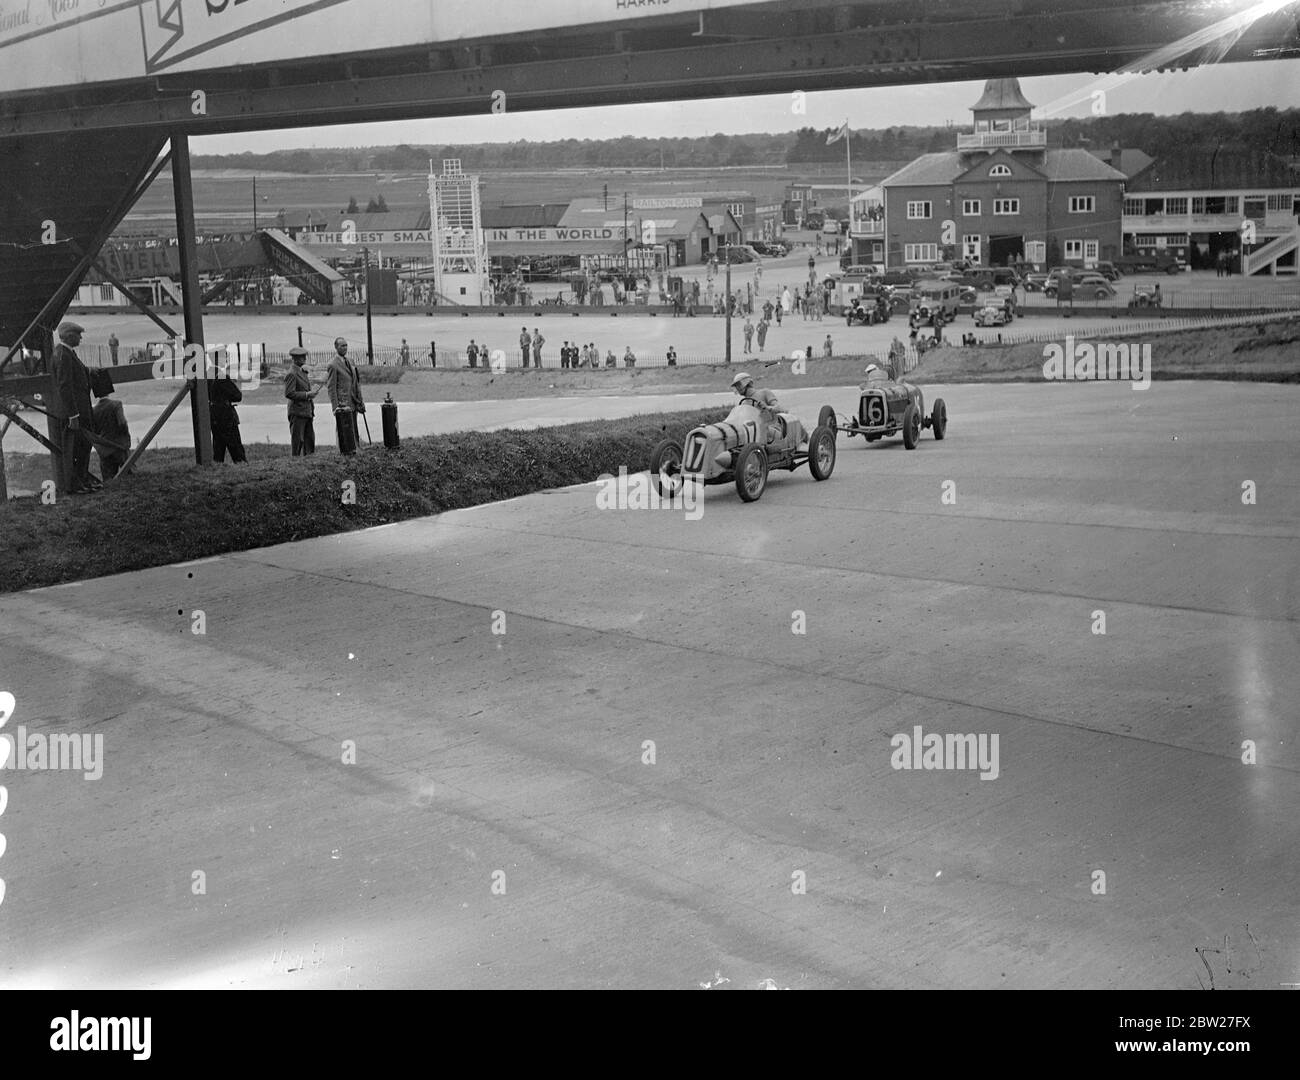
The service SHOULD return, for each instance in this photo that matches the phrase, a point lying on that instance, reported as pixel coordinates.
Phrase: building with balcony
(1217, 227)
(867, 226)
(1002, 197)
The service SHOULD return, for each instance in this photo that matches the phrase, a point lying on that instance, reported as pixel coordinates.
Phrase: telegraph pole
(726, 247)
(370, 340)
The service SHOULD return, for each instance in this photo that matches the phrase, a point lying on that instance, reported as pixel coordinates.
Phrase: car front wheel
(939, 419)
(751, 472)
(911, 427)
(821, 452)
(666, 468)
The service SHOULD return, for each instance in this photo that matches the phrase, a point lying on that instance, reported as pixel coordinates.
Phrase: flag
(836, 136)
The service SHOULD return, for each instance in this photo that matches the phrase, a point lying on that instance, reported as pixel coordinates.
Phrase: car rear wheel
(821, 452)
(939, 419)
(911, 427)
(826, 418)
(666, 468)
(751, 472)
(1101, 294)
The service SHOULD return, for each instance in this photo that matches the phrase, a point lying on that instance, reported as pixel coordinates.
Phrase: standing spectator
(762, 332)
(749, 334)
(302, 407)
(564, 355)
(405, 354)
(629, 358)
(786, 303)
(708, 293)
(524, 343)
(610, 359)
(72, 380)
(767, 310)
(586, 356)
(695, 297)
(112, 348)
(672, 356)
(828, 348)
(343, 382)
(471, 354)
(433, 354)
(538, 342)
(224, 417)
(113, 437)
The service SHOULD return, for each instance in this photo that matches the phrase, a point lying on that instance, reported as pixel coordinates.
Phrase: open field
(224, 199)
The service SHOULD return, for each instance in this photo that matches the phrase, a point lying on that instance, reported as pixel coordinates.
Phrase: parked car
(1085, 285)
(1034, 282)
(1158, 262)
(900, 277)
(743, 449)
(984, 278)
(1109, 271)
(993, 315)
(887, 406)
(736, 253)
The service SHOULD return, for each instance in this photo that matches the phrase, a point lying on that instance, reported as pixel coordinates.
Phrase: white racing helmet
(742, 379)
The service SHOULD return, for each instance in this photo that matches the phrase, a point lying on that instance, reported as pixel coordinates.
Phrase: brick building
(1003, 197)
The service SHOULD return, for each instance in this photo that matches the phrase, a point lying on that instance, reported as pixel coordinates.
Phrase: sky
(1220, 88)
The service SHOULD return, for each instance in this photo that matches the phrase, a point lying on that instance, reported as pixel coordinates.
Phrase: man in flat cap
(72, 380)
(302, 407)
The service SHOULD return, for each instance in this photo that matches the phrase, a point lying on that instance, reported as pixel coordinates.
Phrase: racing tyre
(821, 452)
(666, 468)
(751, 472)
(939, 419)
(911, 427)
(826, 418)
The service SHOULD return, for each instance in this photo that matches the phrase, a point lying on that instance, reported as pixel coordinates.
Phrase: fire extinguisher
(389, 411)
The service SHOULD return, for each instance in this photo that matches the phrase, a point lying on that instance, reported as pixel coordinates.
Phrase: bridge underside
(761, 48)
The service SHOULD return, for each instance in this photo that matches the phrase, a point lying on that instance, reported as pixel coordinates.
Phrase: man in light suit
(343, 382)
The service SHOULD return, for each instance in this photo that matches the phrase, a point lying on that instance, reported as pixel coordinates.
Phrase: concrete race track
(502, 825)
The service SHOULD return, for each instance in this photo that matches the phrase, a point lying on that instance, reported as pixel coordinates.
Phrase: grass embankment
(170, 510)
(1269, 352)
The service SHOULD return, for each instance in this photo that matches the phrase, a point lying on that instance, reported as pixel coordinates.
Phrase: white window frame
(1014, 205)
(1074, 249)
(915, 206)
(1083, 204)
(1133, 208)
(920, 253)
(1036, 251)
(1091, 252)
(970, 208)
(1000, 169)
(1176, 204)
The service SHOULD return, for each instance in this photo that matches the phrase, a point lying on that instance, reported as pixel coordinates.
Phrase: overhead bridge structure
(96, 99)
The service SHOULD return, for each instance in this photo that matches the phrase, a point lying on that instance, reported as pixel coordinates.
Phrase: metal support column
(185, 235)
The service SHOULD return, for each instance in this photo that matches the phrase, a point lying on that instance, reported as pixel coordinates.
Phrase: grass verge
(172, 511)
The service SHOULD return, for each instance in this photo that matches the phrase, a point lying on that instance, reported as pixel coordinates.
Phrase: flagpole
(848, 161)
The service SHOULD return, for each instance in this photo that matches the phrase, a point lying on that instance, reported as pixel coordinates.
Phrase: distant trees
(377, 206)
(1258, 147)
(353, 208)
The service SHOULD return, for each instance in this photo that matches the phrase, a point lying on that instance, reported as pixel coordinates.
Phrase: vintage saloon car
(743, 448)
(887, 407)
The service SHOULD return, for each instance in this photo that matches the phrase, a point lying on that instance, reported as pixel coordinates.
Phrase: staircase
(1278, 256)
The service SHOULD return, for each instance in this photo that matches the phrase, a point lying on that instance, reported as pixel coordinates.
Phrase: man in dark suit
(72, 380)
(222, 395)
(298, 389)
